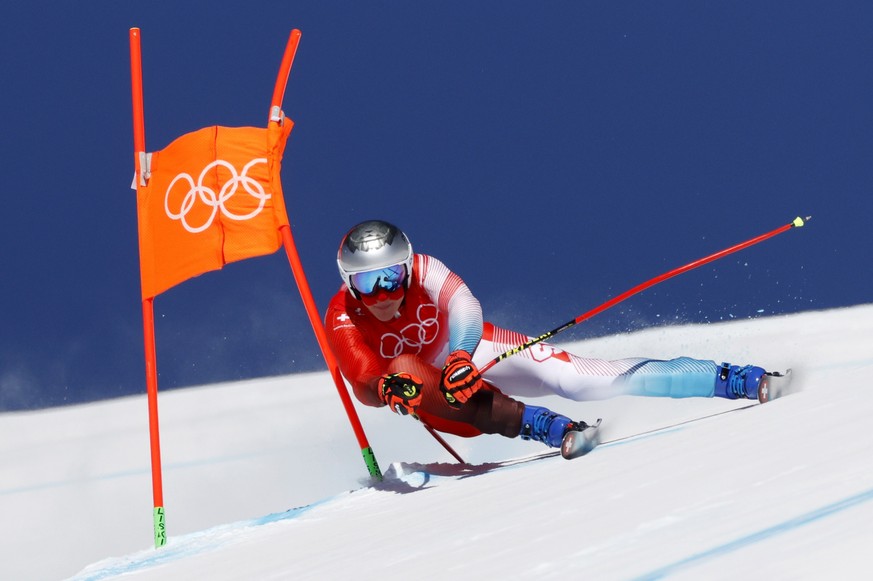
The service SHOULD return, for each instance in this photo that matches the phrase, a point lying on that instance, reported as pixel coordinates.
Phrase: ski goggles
(371, 282)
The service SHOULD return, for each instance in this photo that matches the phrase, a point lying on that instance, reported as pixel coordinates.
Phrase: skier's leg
(538, 370)
(544, 369)
(487, 412)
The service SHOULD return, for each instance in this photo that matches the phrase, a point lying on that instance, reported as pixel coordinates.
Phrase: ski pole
(444, 444)
(796, 223)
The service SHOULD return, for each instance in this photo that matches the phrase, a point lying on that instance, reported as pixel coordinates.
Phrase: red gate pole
(303, 285)
(148, 316)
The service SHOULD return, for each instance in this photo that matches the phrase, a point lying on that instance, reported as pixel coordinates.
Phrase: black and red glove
(401, 392)
(460, 378)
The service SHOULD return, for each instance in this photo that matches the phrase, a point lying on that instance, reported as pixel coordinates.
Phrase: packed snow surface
(264, 479)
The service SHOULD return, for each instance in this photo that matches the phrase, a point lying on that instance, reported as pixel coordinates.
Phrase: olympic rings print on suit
(415, 335)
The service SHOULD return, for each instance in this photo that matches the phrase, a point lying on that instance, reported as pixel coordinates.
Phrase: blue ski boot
(734, 382)
(546, 426)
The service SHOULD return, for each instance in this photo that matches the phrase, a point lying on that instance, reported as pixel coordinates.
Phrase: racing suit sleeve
(452, 295)
(357, 362)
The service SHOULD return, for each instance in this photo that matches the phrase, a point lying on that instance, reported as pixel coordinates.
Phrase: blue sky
(553, 154)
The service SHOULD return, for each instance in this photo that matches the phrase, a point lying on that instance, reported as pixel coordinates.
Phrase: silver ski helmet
(370, 247)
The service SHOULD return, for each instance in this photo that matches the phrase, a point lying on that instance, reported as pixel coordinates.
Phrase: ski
(577, 443)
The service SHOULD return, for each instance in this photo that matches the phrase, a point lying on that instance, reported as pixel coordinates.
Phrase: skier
(409, 334)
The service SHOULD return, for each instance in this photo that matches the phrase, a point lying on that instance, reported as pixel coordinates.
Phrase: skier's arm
(453, 296)
(357, 362)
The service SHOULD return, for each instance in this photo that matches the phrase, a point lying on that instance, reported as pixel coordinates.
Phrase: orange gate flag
(211, 197)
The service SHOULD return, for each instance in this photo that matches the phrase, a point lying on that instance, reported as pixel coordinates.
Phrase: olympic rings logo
(414, 335)
(216, 200)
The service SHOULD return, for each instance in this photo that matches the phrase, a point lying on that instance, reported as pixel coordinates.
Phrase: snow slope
(263, 479)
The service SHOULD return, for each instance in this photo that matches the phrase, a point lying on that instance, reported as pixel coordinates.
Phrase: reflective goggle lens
(385, 279)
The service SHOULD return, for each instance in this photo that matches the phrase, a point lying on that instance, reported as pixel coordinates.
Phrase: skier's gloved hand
(460, 378)
(401, 392)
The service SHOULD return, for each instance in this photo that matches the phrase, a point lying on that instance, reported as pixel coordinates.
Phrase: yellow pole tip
(798, 222)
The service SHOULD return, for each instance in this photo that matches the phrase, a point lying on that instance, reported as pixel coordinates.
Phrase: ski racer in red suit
(408, 333)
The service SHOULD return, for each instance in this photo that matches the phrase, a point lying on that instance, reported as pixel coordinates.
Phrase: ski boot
(575, 438)
(749, 381)
(734, 381)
